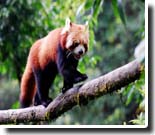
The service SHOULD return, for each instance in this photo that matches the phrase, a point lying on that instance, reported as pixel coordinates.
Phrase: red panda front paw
(80, 78)
(64, 89)
(47, 102)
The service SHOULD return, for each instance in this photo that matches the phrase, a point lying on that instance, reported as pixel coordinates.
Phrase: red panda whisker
(68, 53)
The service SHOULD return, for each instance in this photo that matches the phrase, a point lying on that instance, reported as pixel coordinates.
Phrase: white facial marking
(78, 49)
(69, 42)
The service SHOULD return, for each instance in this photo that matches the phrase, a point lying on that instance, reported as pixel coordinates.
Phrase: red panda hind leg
(28, 88)
(44, 79)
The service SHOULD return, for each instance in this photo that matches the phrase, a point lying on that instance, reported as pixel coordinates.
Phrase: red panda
(58, 52)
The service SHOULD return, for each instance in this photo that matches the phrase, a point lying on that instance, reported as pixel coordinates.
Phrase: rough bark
(78, 95)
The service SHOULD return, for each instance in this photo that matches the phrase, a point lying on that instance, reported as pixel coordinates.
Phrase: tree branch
(100, 86)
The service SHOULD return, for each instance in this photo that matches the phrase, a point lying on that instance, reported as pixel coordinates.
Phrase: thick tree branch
(78, 95)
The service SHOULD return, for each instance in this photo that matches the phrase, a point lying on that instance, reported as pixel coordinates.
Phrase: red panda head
(77, 38)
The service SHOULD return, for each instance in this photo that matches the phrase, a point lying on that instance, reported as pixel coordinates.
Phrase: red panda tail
(28, 88)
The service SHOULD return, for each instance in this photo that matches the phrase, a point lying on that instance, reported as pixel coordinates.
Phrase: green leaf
(96, 7)
(130, 95)
(16, 105)
(115, 7)
(88, 4)
(118, 10)
(140, 119)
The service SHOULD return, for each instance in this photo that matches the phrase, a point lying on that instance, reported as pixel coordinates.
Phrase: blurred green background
(116, 28)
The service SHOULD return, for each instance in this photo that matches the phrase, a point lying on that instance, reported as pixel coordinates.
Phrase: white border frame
(106, 126)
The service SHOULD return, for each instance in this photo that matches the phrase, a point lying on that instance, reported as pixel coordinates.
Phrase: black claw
(63, 90)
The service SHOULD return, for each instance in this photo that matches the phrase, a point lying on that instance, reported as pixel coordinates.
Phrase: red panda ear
(68, 23)
(67, 26)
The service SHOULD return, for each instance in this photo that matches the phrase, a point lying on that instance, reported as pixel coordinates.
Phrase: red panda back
(45, 49)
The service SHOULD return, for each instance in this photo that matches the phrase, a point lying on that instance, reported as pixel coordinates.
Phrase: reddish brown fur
(41, 53)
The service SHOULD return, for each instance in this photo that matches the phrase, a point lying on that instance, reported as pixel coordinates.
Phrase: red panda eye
(76, 44)
(85, 45)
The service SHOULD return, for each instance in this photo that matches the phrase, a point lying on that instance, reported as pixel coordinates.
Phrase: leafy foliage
(116, 27)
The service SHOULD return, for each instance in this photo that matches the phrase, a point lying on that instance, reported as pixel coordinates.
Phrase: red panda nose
(81, 52)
